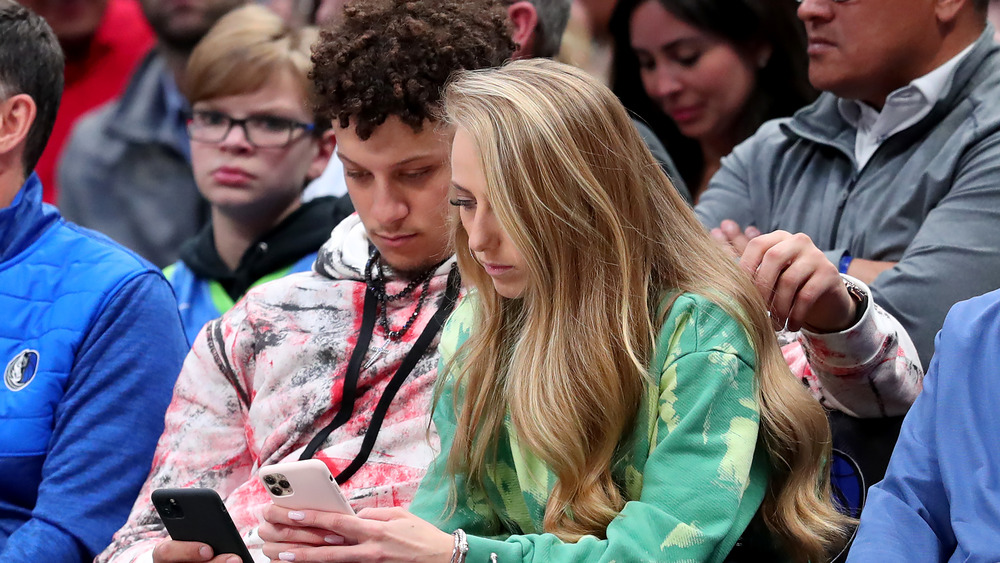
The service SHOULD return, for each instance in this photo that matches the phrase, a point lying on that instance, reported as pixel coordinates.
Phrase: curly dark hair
(393, 57)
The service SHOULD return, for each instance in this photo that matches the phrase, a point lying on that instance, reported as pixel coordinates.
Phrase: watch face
(855, 291)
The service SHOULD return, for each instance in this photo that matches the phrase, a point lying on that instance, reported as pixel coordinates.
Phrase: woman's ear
(325, 145)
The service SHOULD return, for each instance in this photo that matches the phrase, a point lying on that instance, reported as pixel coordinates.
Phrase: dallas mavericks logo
(21, 370)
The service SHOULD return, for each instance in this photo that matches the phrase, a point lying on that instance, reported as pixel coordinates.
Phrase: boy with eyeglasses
(254, 146)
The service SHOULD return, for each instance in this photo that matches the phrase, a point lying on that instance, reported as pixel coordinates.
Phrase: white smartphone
(304, 485)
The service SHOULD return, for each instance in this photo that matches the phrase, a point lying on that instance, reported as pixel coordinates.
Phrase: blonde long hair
(605, 238)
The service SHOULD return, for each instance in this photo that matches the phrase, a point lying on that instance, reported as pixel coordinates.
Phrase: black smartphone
(199, 515)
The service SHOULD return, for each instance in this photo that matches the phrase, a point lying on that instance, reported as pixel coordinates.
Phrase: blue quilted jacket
(90, 346)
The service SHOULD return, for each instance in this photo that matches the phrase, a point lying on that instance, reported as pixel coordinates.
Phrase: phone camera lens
(277, 491)
(270, 480)
(285, 484)
(171, 509)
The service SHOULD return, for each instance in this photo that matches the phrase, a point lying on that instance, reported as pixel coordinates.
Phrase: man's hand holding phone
(170, 551)
(199, 527)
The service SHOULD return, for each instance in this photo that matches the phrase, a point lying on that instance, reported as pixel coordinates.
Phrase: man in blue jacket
(939, 500)
(90, 342)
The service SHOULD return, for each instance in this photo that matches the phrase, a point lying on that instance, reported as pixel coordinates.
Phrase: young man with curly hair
(338, 364)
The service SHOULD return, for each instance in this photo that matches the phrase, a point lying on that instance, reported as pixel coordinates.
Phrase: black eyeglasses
(261, 131)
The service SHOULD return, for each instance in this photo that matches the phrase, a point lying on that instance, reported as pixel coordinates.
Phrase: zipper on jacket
(840, 207)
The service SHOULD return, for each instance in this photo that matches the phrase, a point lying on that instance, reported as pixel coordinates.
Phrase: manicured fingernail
(205, 551)
(296, 515)
(285, 556)
(334, 540)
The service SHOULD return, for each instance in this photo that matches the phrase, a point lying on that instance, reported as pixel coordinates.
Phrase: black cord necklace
(376, 281)
(350, 389)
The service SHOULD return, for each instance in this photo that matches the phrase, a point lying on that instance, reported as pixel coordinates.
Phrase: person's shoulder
(983, 74)
(93, 124)
(697, 323)
(304, 293)
(967, 352)
(94, 254)
(767, 143)
(974, 322)
(459, 325)
(979, 93)
(292, 285)
(89, 145)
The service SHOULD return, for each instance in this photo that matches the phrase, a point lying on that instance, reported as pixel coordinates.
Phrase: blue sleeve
(901, 520)
(938, 501)
(106, 426)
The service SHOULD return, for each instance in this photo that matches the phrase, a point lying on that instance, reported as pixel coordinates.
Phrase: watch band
(860, 297)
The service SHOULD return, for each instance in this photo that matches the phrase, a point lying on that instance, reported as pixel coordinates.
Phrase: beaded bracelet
(461, 547)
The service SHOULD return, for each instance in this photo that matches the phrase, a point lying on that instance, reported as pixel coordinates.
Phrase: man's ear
(17, 113)
(325, 145)
(525, 19)
(947, 10)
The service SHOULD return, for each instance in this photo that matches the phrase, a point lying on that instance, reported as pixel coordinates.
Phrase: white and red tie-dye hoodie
(870, 370)
(286, 347)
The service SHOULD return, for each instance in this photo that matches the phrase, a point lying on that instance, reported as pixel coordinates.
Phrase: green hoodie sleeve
(704, 478)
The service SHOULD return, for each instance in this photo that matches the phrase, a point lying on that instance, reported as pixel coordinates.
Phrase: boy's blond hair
(244, 50)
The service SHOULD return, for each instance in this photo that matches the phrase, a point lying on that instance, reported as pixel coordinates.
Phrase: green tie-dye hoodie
(694, 471)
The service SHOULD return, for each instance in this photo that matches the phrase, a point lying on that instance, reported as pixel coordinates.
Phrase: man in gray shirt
(894, 172)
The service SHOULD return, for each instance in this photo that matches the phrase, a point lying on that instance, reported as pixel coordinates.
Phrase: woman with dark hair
(705, 74)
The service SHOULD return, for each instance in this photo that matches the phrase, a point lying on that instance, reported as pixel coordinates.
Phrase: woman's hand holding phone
(375, 534)
(311, 520)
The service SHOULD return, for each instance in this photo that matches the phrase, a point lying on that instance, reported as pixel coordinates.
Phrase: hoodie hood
(297, 236)
(345, 253)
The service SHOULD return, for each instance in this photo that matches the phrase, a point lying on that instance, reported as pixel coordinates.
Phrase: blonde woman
(613, 390)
